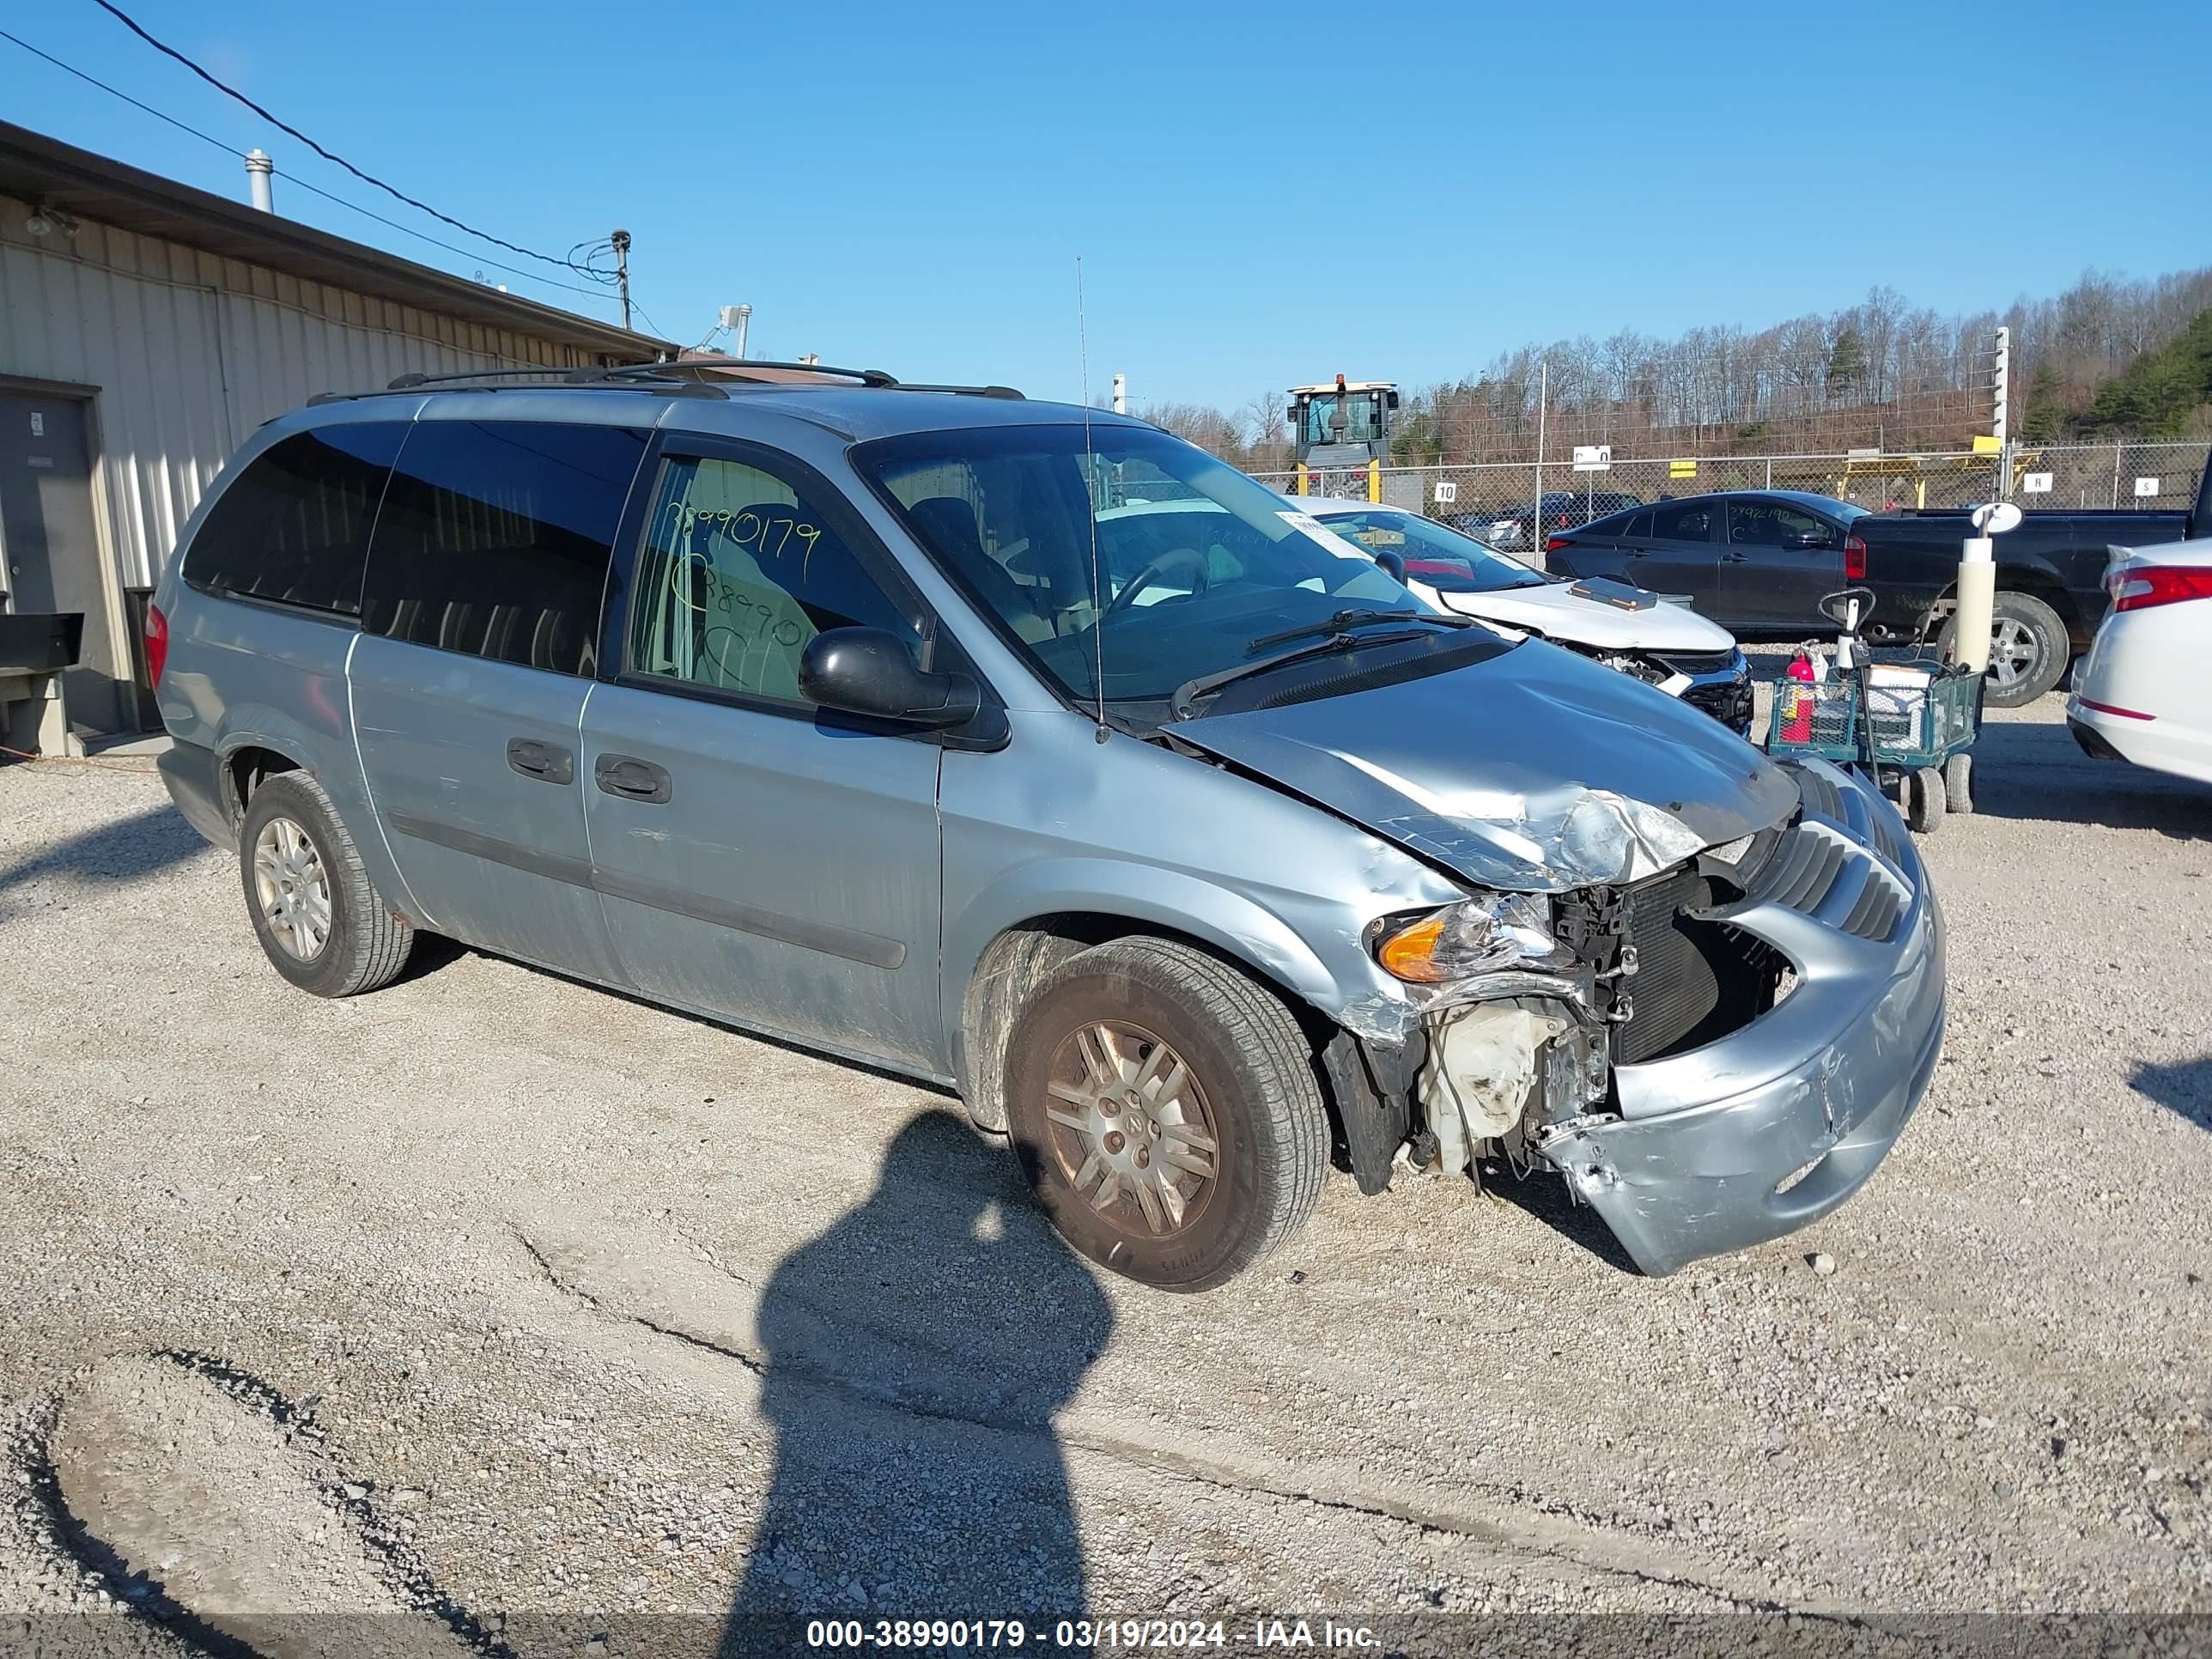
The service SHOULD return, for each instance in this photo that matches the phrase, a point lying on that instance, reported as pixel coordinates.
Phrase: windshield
(1363, 418)
(1196, 563)
(1444, 559)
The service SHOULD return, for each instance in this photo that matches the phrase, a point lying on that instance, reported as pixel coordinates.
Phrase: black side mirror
(1837, 607)
(869, 671)
(1392, 561)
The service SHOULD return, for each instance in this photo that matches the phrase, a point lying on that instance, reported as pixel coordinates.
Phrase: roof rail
(702, 366)
(589, 375)
(409, 382)
(969, 391)
(712, 370)
(696, 377)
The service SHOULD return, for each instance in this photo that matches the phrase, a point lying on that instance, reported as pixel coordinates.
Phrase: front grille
(1729, 704)
(1819, 794)
(1813, 857)
(1694, 980)
(1802, 869)
(1698, 662)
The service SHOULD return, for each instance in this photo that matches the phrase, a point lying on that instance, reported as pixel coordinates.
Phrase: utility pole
(621, 242)
(2001, 386)
(1121, 394)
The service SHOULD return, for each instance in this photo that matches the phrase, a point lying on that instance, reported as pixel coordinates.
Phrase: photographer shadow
(915, 1354)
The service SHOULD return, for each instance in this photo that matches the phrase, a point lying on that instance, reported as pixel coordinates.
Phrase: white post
(258, 170)
(1536, 507)
(1978, 586)
(1121, 394)
(1978, 582)
(744, 324)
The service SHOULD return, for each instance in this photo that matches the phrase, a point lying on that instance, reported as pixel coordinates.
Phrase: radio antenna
(1091, 491)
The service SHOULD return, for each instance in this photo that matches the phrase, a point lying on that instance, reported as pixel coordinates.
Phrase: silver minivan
(856, 715)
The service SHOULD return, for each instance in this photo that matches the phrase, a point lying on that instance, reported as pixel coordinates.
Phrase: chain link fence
(1496, 501)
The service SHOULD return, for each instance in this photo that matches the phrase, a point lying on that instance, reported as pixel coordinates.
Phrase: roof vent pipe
(259, 169)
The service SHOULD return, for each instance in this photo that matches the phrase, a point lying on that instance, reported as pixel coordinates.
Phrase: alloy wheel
(292, 887)
(1132, 1132)
(2014, 652)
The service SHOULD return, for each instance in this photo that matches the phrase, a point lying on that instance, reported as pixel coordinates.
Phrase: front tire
(1166, 1113)
(321, 924)
(2029, 649)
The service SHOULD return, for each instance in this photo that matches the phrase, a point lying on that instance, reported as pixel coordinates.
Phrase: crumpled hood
(1534, 771)
(1557, 612)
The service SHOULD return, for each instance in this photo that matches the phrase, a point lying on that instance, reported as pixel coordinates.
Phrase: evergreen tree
(1847, 363)
(2039, 422)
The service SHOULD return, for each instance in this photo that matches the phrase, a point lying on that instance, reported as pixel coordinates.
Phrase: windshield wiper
(1343, 621)
(1190, 690)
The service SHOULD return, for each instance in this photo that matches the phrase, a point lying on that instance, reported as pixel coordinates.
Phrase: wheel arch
(258, 740)
(1007, 940)
(243, 769)
(2036, 581)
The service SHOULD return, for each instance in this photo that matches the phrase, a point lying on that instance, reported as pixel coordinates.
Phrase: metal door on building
(51, 547)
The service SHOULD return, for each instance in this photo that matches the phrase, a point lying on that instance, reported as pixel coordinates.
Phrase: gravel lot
(525, 1313)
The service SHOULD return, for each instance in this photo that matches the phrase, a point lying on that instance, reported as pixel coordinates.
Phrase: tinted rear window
(495, 539)
(294, 526)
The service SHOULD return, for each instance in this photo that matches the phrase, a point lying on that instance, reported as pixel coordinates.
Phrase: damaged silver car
(1193, 848)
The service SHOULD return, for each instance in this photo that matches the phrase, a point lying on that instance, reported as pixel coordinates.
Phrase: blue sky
(1261, 196)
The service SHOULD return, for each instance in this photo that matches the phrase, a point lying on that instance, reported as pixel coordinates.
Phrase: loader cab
(1341, 430)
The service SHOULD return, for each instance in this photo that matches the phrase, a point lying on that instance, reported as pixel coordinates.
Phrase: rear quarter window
(293, 527)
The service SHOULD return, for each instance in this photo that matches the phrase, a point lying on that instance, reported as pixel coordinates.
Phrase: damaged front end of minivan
(1706, 990)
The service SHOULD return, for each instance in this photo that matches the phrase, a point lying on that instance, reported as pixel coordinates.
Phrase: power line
(133, 24)
(294, 179)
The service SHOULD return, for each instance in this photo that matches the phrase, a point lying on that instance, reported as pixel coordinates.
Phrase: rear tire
(2029, 649)
(1166, 1113)
(322, 925)
(1924, 799)
(1959, 783)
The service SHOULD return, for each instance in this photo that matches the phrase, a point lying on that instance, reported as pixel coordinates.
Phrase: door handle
(549, 763)
(1735, 558)
(633, 779)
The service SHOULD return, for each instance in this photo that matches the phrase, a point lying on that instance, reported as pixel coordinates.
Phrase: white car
(2144, 692)
(1625, 628)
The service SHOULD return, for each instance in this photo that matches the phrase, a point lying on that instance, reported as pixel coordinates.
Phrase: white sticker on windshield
(1328, 538)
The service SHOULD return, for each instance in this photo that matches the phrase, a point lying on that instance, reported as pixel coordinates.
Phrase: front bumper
(1770, 1127)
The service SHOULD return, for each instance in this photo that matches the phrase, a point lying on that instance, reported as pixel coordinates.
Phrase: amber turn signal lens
(1410, 953)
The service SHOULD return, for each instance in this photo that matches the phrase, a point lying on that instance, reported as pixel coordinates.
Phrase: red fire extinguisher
(1797, 702)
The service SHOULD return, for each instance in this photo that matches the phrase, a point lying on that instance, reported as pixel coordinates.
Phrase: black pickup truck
(2050, 592)
(1756, 562)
